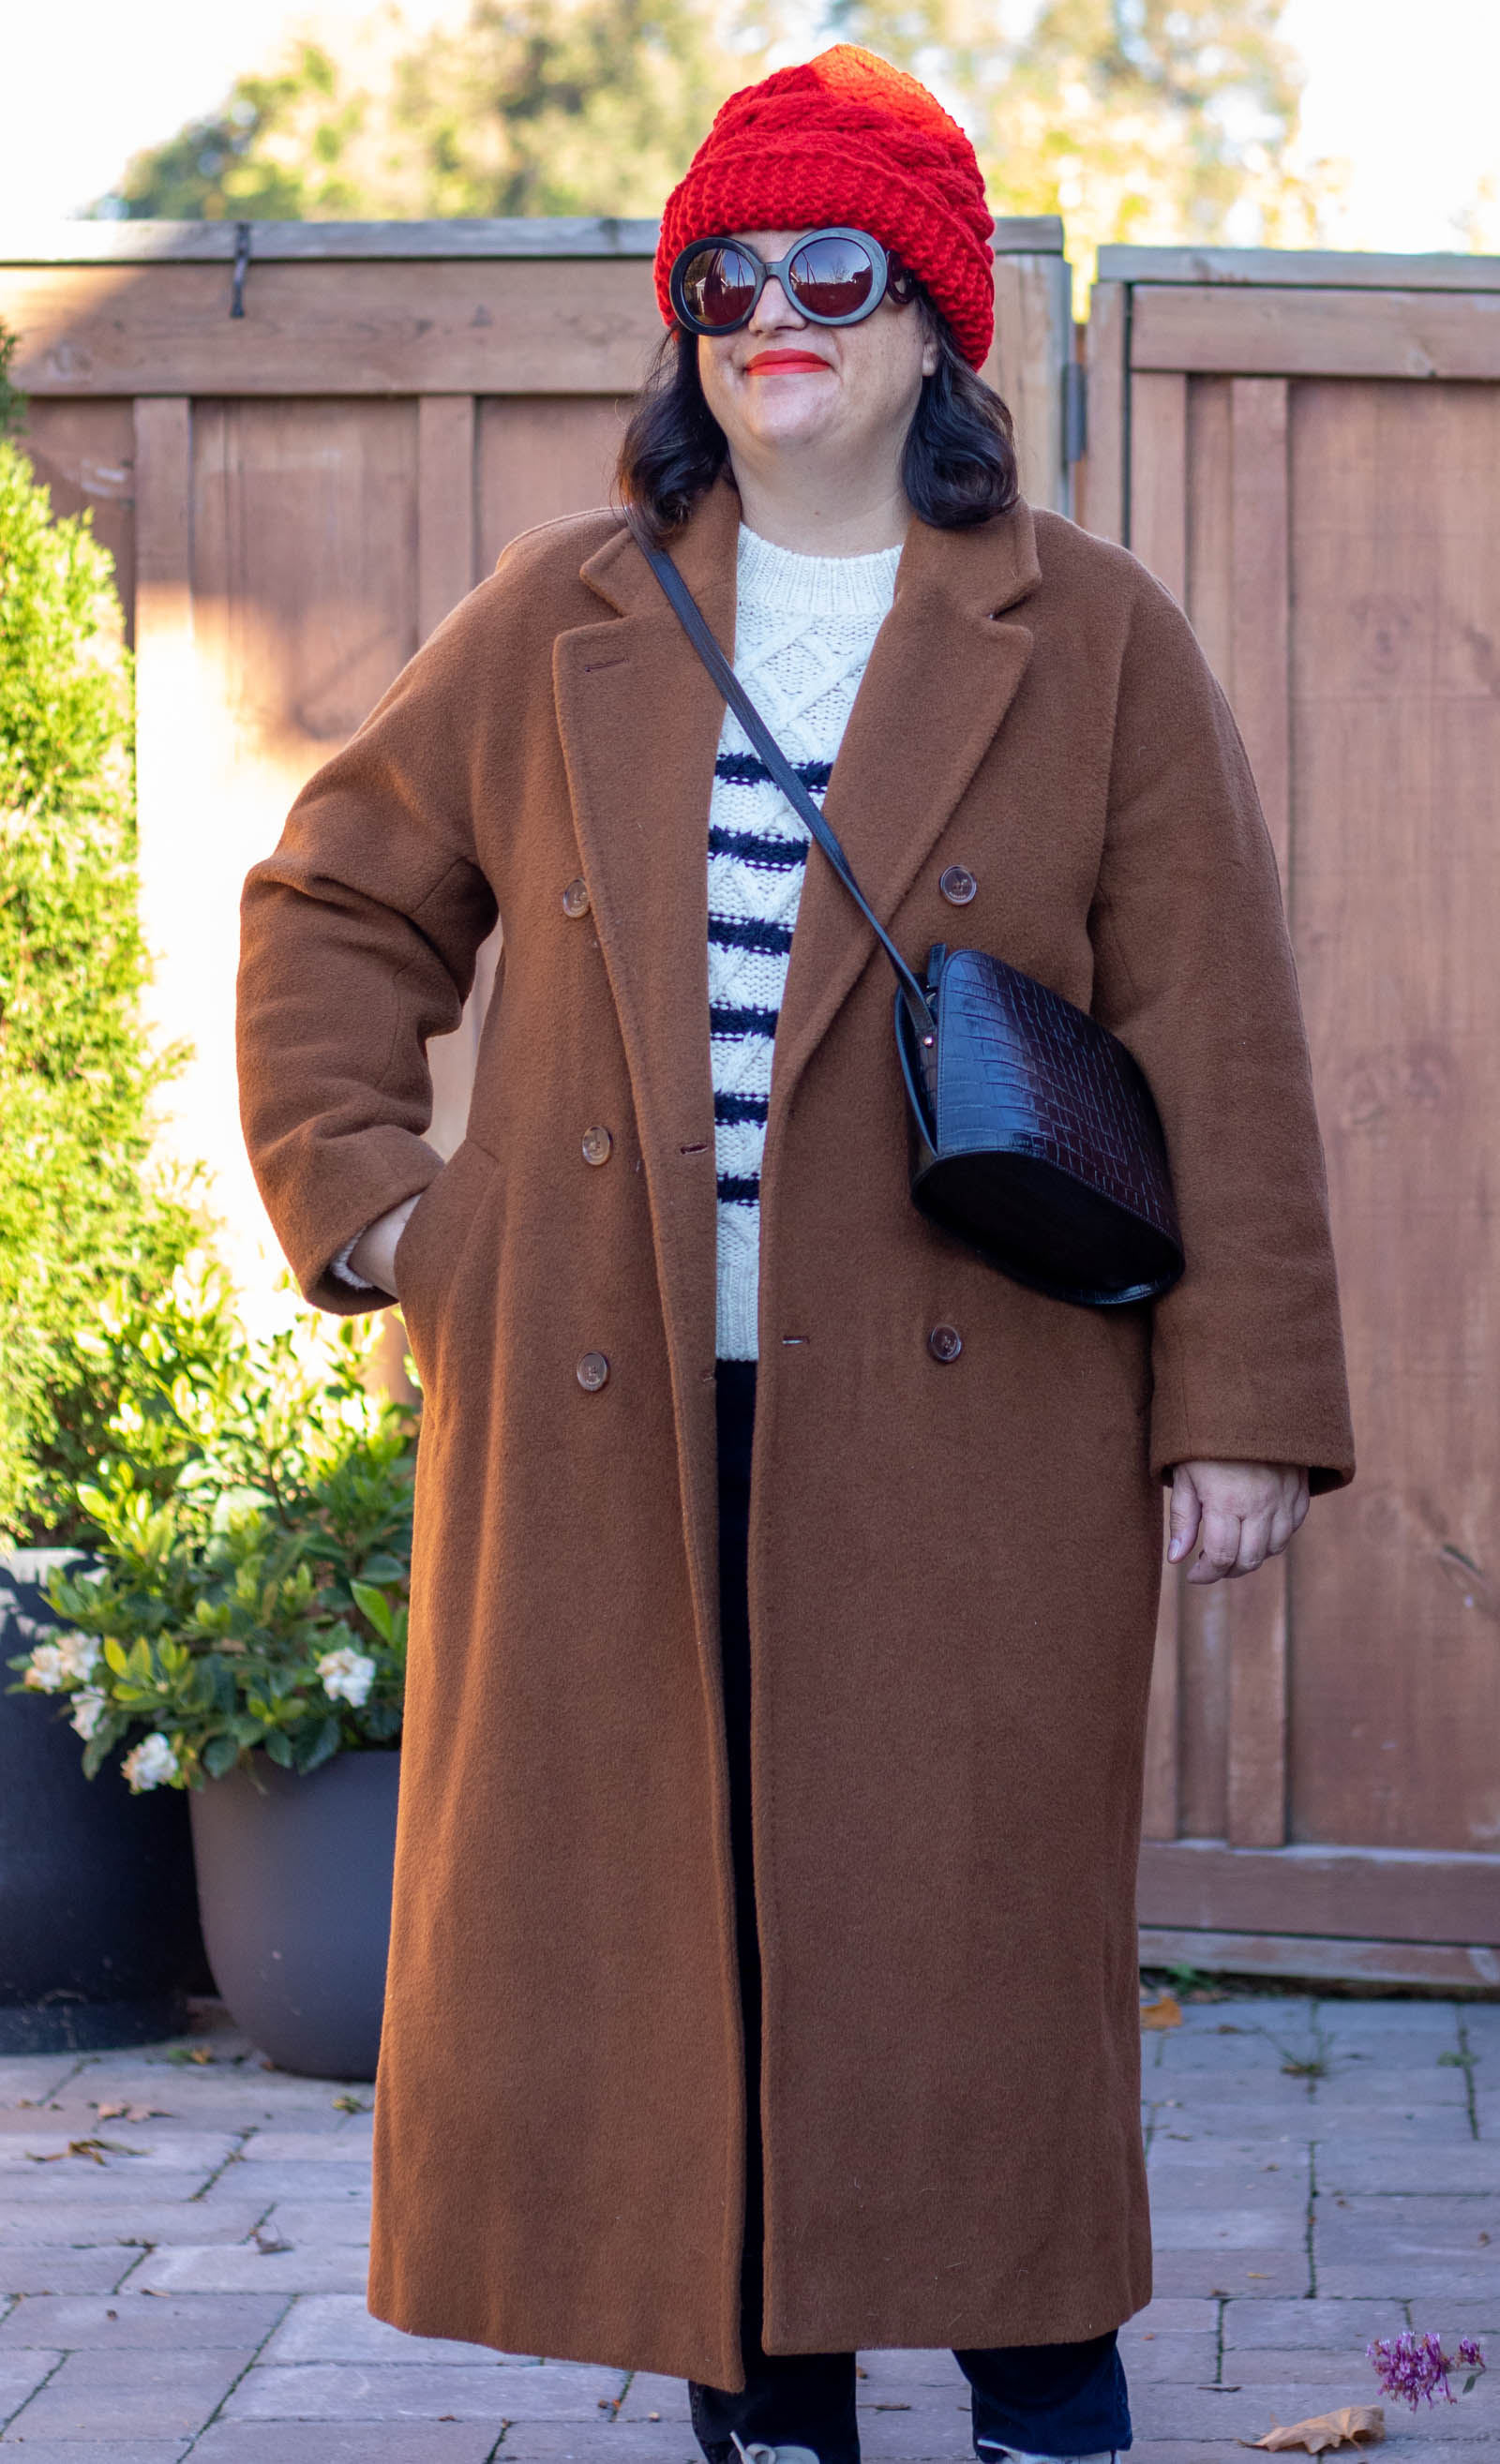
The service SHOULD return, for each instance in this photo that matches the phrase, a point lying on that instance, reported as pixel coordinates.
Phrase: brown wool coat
(953, 1567)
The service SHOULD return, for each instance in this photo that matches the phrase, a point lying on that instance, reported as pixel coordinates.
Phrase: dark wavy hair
(958, 466)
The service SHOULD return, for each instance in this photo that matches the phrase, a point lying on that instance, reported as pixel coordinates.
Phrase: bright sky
(1409, 99)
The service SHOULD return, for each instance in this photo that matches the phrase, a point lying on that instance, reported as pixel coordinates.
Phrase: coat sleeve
(357, 942)
(1194, 971)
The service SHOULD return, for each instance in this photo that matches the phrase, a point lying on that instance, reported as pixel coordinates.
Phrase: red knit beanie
(845, 139)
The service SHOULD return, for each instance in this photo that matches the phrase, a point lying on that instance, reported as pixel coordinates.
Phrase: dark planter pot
(99, 1925)
(294, 1886)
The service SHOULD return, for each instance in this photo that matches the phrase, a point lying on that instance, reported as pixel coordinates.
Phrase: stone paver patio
(193, 2284)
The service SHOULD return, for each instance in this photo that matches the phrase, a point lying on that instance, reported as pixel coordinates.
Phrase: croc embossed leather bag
(1034, 1134)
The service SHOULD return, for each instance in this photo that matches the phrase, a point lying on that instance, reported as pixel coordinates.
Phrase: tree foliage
(1157, 121)
(530, 108)
(1135, 119)
(81, 1215)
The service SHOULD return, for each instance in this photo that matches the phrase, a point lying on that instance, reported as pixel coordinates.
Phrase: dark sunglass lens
(719, 286)
(833, 277)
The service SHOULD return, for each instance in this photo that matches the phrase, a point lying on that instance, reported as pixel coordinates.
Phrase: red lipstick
(785, 363)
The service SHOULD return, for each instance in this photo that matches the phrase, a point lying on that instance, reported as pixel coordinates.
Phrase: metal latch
(241, 268)
(1075, 412)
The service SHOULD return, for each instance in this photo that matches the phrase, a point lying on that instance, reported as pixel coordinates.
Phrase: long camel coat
(954, 1562)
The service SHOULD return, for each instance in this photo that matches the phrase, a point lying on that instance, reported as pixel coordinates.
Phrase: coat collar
(639, 720)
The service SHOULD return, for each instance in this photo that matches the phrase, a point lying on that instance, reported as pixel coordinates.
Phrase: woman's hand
(1243, 1513)
(374, 1253)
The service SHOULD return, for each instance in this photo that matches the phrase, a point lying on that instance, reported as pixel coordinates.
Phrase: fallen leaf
(1166, 2011)
(1345, 2427)
(95, 2149)
(132, 2113)
(351, 2105)
(268, 2243)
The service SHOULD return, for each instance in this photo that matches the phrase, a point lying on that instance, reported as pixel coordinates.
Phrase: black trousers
(1062, 2400)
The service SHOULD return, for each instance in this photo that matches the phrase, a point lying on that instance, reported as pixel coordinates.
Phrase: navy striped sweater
(805, 625)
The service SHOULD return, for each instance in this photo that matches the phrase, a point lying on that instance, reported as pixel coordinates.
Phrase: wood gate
(305, 442)
(1305, 449)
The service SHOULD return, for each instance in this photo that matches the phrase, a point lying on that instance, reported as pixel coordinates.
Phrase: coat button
(945, 1343)
(957, 885)
(575, 898)
(597, 1144)
(593, 1369)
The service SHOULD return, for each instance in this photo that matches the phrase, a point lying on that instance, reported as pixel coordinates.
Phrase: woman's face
(785, 386)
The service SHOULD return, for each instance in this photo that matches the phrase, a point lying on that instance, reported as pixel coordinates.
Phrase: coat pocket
(429, 1248)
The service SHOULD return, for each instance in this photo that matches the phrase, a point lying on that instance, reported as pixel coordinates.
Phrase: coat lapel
(639, 721)
(942, 676)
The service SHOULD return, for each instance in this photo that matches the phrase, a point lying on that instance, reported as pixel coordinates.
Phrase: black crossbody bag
(1034, 1135)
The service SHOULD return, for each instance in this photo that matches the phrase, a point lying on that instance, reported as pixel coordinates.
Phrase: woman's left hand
(1243, 1513)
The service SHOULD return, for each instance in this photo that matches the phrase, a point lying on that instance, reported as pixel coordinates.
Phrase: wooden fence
(1305, 449)
(303, 443)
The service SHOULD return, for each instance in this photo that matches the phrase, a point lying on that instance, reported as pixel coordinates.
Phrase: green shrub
(87, 1227)
(253, 1547)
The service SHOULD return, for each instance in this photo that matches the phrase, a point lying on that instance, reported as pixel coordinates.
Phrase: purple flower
(1415, 2368)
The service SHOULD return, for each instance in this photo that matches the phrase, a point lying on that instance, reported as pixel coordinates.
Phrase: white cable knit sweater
(804, 631)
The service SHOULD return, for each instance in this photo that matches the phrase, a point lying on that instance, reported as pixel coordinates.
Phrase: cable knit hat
(845, 139)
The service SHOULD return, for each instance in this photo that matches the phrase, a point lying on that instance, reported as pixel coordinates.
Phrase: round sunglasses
(833, 277)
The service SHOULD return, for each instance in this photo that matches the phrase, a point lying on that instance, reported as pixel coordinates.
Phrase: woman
(763, 1966)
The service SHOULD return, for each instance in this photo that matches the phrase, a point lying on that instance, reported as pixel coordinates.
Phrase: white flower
(347, 1675)
(79, 1655)
(89, 1708)
(70, 1661)
(149, 1763)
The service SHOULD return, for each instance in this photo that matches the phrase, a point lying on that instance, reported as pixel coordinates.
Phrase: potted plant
(99, 1925)
(240, 1634)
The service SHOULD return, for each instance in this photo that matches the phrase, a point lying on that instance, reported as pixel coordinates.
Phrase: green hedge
(90, 1233)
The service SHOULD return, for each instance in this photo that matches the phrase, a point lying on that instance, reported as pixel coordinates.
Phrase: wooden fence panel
(1398, 732)
(540, 458)
(84, 452)
(1305, 455)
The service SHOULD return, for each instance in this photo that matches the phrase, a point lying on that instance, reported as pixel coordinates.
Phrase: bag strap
(696, 628)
